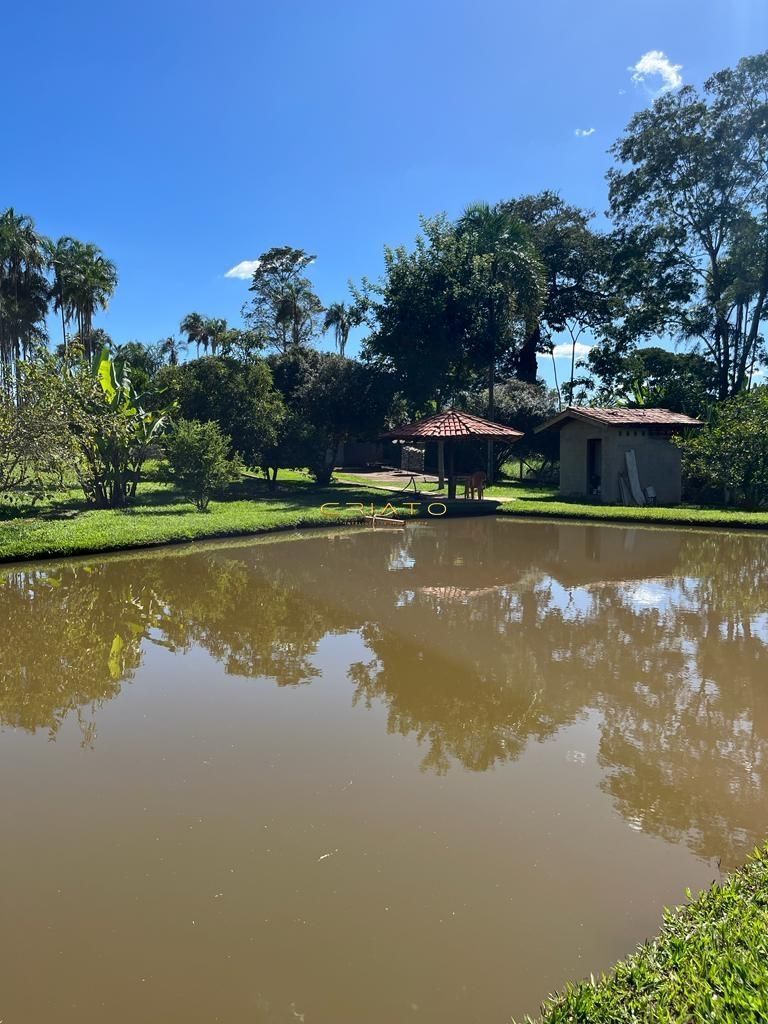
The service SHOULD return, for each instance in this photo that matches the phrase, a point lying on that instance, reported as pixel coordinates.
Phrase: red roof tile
(451, 425)
(615, 417)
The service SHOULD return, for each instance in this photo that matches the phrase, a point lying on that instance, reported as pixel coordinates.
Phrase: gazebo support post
(451, 473)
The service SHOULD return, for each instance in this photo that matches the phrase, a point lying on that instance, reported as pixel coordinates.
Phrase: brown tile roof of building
(613, 417)
(452, 425)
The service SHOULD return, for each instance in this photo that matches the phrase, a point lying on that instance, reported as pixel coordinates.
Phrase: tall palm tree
(217, 331)
(510, 276)
(170, 348)
(24, 289)
(60, 259)
(195, 326)
(84, 282)
(341, 318)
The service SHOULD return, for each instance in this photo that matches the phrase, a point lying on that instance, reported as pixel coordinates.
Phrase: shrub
(201, 461)
(728, 458)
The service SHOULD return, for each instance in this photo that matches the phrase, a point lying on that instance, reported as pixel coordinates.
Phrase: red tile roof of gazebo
(451, 426)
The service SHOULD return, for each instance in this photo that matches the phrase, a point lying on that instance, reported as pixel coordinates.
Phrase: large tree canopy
(578, 295)
(690, 199)
(449, 310)
(284, 311)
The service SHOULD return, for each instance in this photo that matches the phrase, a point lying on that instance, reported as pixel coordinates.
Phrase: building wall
(573, 456)
(658, 464)
(658, 461)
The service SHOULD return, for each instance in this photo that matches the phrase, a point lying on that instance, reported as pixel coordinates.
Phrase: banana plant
(124, 432)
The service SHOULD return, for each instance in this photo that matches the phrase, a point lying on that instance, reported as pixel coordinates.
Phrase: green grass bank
(709, 964)
(65, 525)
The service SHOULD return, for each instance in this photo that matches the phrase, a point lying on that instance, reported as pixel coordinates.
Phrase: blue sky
(186, 137)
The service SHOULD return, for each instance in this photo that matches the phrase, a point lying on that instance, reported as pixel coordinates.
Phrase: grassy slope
(710, 963)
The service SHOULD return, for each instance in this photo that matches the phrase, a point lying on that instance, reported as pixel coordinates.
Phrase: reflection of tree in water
(482, 636)
(69, 642)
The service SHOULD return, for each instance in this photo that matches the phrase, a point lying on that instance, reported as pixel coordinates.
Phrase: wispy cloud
(564, 350)
(584, 132)
(243, 271)
(657, 66)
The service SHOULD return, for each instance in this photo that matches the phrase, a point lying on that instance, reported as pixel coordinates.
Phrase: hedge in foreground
(710, 963)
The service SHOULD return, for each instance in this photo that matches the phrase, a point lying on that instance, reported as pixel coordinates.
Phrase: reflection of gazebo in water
(449, 428)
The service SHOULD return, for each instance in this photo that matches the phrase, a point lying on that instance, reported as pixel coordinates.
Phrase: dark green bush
(201, 461)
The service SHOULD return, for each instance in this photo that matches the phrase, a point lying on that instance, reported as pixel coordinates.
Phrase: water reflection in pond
(368, 776)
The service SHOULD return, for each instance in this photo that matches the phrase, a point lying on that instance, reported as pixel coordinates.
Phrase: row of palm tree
(37, 274)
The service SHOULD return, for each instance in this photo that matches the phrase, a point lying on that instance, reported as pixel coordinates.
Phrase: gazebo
(449, 427)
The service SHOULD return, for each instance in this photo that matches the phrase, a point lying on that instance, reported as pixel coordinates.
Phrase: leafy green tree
(110, 431)
(448, 312)
(417, 317)
(143, 360)
(35, 446)
(201, 461)
(506, 279)
(24, 290)
(241, 398)
(523, 406)
(729, 456)
(329, 399)
(284, 310)
(577, 291)
(688, 198)
(681, 381)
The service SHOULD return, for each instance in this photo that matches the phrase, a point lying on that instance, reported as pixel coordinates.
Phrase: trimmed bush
(201, 461)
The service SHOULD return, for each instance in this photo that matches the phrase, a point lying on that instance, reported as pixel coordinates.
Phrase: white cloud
(584, 132)
(243, 271)
(655, 63)
(564, 350)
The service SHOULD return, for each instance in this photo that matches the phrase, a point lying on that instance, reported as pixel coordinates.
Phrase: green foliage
(284, 311)
(523, 406)
(578, 293)
(109, 432)
(241, 398)
(689, 202)
(83, 283)
(35, 448)
(23, 291)
(341, 318)
(201, 461)
(710, 963)
(450, 309)
(329, 399)
(729, 457)
(654, 377)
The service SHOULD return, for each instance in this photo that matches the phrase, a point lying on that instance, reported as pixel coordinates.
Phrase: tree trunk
(526, 364)
(490, 467)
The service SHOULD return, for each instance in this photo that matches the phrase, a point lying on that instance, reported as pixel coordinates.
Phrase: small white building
(615, 455)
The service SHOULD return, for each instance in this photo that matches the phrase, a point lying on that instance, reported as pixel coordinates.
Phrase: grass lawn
(544, 501)
(525, 499)
(710, 963)
(65, 525)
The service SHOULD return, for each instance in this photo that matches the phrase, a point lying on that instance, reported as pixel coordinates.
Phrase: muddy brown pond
(366, 777)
